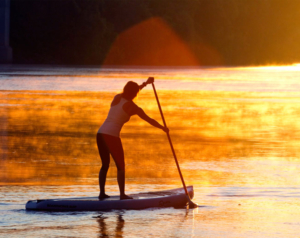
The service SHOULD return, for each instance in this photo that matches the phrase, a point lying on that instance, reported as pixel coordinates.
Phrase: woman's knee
(105, 167)
(121, 168)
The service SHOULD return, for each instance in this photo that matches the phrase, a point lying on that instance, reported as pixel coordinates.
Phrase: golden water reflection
(221, 138)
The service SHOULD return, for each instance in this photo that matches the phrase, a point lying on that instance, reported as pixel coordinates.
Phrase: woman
(108, 136)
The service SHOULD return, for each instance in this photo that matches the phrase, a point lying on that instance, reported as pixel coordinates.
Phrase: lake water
(235, 131)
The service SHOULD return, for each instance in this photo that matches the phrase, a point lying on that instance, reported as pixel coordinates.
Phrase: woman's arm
(140, 112)
(149, 81)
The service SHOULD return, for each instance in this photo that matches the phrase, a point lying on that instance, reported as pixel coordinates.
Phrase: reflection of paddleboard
(166, 198)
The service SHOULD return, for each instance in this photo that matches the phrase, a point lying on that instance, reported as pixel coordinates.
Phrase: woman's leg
(102, 180)
(116, 149)
(105, 158)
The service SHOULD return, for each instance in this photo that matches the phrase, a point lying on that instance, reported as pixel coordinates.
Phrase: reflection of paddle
(191, 204)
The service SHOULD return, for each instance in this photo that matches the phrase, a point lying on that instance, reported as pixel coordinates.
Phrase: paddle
(191, 204)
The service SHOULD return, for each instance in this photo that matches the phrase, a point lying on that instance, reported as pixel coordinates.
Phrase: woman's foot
(123, 197)
(103, 196)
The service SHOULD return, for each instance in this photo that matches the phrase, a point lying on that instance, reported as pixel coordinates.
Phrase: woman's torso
(116, 117)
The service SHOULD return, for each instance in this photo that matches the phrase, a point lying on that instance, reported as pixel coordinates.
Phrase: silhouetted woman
(108, 136)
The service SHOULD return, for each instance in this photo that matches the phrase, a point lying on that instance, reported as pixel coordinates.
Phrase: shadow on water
(113, 224)
(103, 226)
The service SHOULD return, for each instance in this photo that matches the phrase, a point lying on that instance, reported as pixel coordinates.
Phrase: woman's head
(130, 90)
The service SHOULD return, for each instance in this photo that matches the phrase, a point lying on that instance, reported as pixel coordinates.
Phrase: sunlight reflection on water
(237, 142)
(258, 79)
(59, 129)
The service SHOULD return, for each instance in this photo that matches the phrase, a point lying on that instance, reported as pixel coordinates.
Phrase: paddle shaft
(169, 138)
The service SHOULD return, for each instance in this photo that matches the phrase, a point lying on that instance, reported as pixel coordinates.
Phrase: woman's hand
(151, 121)
(165, 129)
(150, 80)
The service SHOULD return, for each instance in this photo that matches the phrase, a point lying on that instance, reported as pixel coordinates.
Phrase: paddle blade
(192, 205)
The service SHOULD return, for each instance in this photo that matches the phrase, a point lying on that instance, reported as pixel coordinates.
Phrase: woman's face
(136, 95)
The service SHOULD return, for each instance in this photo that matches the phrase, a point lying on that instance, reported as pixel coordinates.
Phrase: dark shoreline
(82, 32)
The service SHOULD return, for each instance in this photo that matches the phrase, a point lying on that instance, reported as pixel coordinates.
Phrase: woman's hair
(130, 90)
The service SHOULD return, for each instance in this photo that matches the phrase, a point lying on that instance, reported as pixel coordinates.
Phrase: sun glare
(293, 67)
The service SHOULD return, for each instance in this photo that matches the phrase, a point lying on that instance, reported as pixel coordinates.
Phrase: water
(235, 131)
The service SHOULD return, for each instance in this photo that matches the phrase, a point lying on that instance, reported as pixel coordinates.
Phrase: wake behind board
(166, 198)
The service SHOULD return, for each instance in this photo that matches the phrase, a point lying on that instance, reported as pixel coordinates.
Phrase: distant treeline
(81, 32)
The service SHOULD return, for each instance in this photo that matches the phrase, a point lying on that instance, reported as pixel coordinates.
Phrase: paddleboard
(167, 198)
